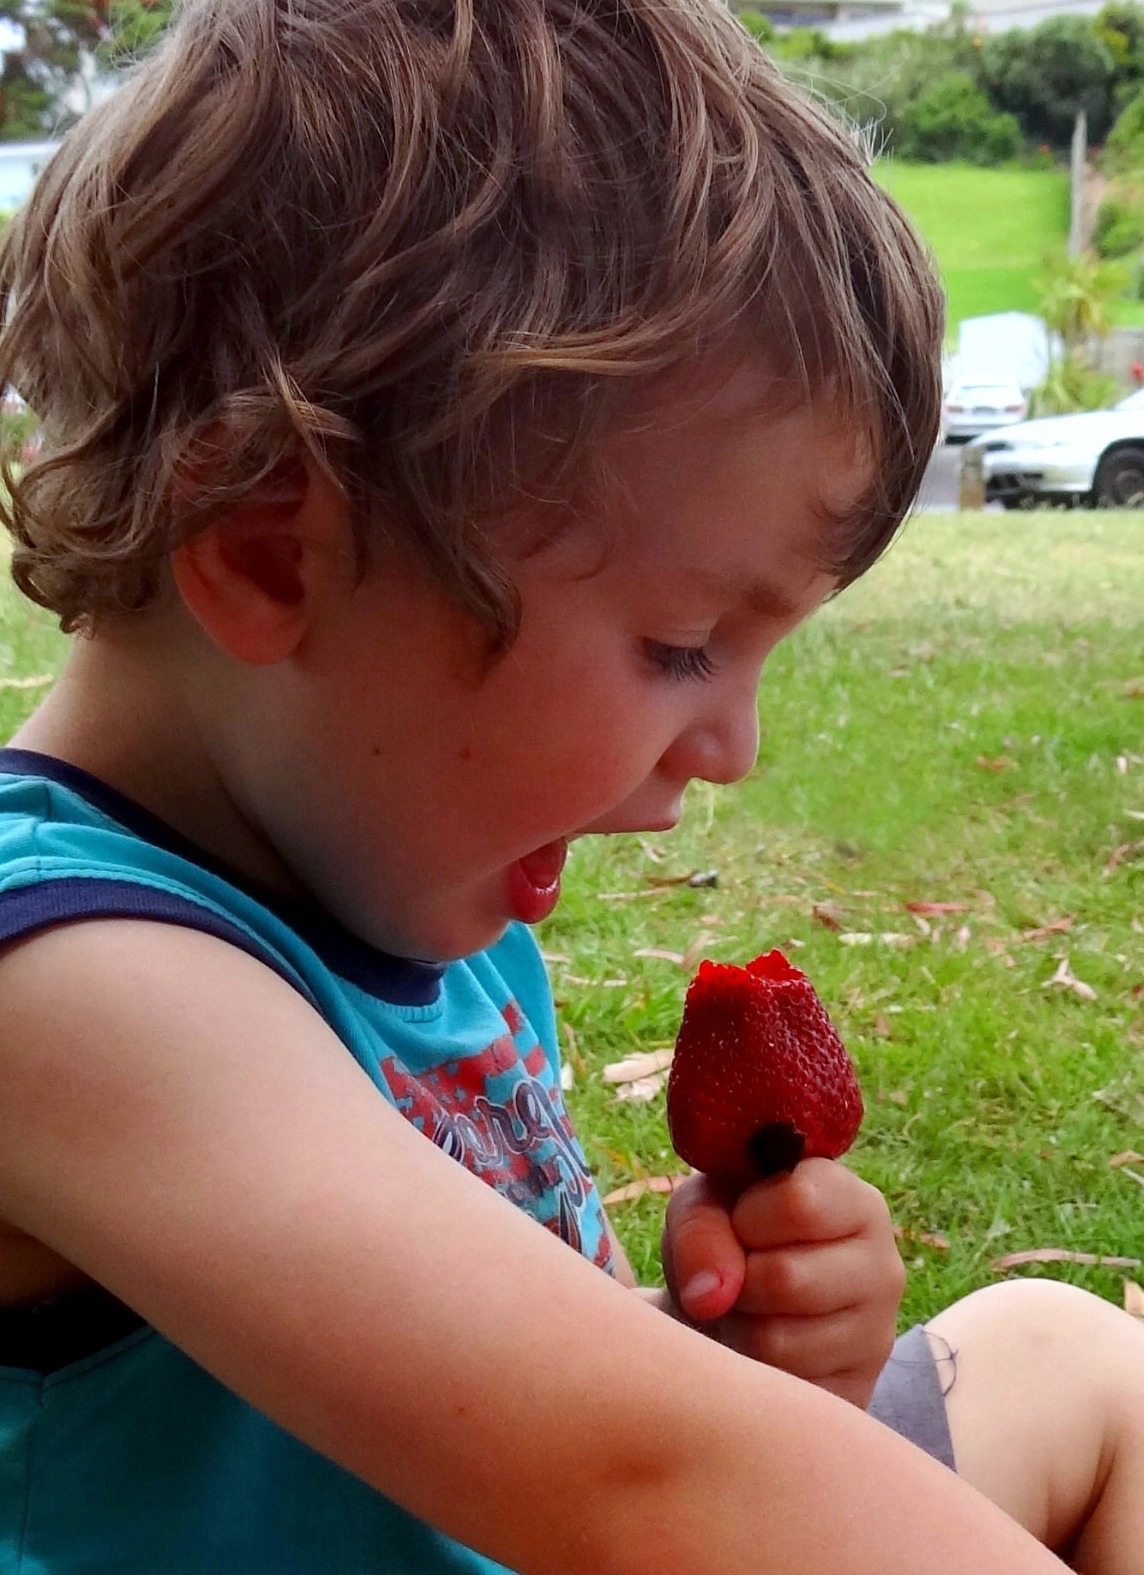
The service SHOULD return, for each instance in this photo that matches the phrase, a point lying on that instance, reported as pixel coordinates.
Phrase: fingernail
(699, 1287)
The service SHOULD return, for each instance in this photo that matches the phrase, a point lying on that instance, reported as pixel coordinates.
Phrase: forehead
(729, 432)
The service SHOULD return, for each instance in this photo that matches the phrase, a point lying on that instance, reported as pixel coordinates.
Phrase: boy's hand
(801, 1272)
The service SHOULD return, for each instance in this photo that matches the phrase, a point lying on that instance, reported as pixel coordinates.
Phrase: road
(990, 16)
(939, 489)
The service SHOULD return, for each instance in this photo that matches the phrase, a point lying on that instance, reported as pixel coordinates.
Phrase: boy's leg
(1045, 1398)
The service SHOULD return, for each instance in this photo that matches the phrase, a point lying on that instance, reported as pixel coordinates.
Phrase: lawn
(990, 229)
(963, 728)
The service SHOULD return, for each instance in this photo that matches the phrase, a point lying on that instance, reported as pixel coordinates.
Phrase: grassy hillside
(989, 229)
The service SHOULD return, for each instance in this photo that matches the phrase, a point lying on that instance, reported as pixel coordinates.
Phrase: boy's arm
(178, 1122)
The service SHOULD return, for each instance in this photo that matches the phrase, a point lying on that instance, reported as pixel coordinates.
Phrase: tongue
(542, 868)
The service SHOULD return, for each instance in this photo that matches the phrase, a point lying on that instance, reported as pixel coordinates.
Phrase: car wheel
(1016, 500)
(1120, 479)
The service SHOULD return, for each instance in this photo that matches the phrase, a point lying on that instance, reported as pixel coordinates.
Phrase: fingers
(818, 1201)
(816, 1280)
(703, 1261)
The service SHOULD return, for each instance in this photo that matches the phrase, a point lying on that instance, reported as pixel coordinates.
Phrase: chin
(447, 943)
(443, 934)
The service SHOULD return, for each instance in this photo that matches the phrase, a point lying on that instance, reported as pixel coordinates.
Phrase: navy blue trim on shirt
(400, 981)
(26, 909)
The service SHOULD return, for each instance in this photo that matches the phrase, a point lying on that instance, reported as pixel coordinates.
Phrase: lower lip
(534, 882)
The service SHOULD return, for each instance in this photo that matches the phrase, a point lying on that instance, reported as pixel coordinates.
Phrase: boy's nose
(721, 747)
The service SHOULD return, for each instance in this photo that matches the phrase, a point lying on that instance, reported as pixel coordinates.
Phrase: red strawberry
(759, 1079)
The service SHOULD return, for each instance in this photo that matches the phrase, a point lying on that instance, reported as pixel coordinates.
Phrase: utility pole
(1078, 163)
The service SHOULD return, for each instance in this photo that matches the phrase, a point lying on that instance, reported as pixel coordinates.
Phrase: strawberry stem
(776, 1147)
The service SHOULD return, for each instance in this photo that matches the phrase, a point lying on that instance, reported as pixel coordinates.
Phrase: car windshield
(987, 393)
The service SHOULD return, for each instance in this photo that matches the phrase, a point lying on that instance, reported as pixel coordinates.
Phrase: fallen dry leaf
(994, 762)
(1133, 1299)
(1014, 1260)
(636, 1189)
(696, 879)
(567, 1076)
(696, 950)
(658, 952)
(1128, 1157)
(925, 1238)
(1065, 977)
(882, 1028)
(38, 682)
(1057, 927)
(886, 937)
(642, 1089)
(1124, 851)
(643, 1064)
(575, 1055)
(933, 908)
(826, 914)
(1133, 1175)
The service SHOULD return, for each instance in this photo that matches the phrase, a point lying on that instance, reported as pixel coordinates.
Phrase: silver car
(1092, 457)
(978, 406)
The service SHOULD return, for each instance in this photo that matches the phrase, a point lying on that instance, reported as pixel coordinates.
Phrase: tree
(1076, 294)
(1048, 75)
(64, 45)
(1119, 26)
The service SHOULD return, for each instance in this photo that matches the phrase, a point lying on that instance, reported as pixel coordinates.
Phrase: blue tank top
(130, 1459)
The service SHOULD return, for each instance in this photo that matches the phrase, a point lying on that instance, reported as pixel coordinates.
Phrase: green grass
(1126, 313)
(989, 229)
(995, 1100)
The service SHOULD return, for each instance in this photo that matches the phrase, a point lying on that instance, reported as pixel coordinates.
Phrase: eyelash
(680, 662)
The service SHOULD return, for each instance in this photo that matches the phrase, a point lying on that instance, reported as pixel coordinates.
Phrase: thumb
(703, 1260)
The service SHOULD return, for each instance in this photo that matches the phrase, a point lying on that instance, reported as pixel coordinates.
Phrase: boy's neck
(121, 711)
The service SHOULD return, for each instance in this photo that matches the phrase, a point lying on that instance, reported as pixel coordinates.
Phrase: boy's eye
(680, 661)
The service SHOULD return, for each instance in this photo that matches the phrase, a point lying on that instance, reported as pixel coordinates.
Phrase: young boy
(447, 404)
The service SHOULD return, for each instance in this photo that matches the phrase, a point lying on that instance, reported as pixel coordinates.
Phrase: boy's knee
(1032, 1311)
(1052, 1349)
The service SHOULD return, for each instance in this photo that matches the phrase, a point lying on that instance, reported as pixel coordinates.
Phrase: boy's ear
(252, 578)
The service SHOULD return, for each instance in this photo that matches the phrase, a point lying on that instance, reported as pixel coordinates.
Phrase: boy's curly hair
(432, 242)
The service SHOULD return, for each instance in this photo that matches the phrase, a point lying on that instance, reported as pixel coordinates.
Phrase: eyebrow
(762, 596)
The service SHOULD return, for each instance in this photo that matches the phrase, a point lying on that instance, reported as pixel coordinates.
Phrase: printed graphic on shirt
(499, 1114)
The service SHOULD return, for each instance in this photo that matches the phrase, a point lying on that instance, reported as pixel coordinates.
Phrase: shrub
(1119, 227)
(759, 26)
(952, 119)
(1070, 385)
(1124, 149)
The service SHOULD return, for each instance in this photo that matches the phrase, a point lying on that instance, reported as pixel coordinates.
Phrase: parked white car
(970, 408)
(1092, 457)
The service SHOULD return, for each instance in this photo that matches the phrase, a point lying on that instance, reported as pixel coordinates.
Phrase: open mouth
(534, 881)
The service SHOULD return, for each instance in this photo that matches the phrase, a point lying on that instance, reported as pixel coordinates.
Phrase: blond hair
(431, 242)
